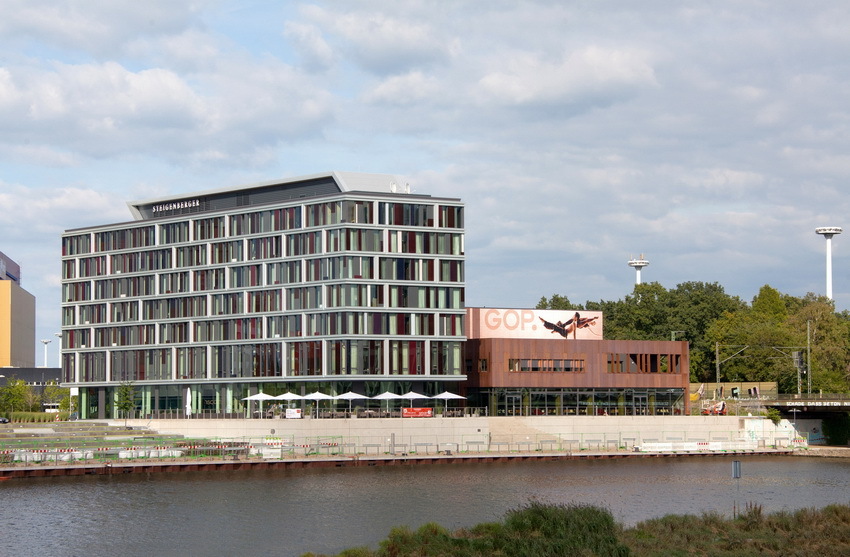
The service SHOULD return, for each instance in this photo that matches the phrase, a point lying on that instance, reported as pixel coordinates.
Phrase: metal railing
(157, 449)
(815, 396)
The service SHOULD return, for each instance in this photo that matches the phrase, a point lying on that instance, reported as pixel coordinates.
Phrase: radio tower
(638, 264)
(828, 232)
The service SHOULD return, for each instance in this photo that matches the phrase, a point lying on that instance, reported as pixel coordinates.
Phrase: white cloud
(31, 213)
(592, 74)
(98, 27)
(383, 43)
(408, 89)
(106, 109)
(315, 52)
(712, 138)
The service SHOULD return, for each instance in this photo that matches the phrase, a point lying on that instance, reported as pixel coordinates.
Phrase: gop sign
(534, 323)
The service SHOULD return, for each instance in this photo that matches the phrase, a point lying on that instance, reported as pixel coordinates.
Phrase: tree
(770, 305)
(54, 394)
(770, 336)
(694, 306)
(557, 302)
(16, 396)
(643, 315)
(772, 327)
(125, 399)
(814, 321)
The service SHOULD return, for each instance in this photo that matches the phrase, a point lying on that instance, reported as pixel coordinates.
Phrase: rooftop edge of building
(299, 187)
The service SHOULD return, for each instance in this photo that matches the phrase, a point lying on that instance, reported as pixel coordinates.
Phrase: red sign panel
(417, 412)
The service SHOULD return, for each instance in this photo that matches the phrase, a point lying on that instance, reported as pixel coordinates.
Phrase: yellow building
(17, 318)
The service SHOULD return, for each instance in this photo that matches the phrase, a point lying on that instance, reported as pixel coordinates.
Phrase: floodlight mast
(828, 232)
(638, 264)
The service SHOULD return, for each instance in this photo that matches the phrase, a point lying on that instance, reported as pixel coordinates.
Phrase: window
(191, 256)
(207, 229)
(354, 239)
(91, 267)
(406, 214)
(642, 363)
(355, 357)
(407, 357)
(446, 358)
(76, 245)
(566, 365)
(451, 217)
(305, 358)
(265, 301)
(226, 252)
(264, 248)
(174, 232)
(283, 273)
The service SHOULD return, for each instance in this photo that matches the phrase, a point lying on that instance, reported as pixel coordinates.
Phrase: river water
(290, 512)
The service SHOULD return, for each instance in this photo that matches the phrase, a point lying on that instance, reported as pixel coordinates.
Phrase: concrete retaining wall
(492, 433)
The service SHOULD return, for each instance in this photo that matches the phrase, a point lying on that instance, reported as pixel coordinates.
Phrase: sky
(712, 137)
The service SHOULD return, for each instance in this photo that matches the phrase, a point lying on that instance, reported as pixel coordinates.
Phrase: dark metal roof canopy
(234, 198)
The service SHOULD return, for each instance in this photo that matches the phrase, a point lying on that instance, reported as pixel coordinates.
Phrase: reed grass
(538, 530)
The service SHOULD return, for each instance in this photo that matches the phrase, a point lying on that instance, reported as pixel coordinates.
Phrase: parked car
(4, 420)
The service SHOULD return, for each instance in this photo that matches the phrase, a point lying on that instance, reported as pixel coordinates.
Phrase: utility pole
(809, 355)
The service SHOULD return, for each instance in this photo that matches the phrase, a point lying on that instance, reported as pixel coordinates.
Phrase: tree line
(768, 339)
(18, 396)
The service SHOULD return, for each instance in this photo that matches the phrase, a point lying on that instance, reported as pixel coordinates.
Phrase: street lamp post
(45, 342)
(794, 411)
(59, 337)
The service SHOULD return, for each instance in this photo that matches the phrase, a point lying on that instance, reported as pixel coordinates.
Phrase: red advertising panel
(417, 412)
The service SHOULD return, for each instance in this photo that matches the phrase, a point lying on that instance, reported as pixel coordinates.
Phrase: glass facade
(539, 401)
(199, 309)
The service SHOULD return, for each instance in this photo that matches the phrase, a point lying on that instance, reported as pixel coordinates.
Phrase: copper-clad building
(551, 362)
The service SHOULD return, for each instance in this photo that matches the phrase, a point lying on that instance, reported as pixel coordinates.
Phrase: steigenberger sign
(534, 323)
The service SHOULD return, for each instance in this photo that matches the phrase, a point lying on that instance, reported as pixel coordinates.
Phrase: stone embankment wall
(840, 452)
(494, 433)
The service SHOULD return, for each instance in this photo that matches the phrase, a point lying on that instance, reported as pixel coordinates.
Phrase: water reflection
(291, 512)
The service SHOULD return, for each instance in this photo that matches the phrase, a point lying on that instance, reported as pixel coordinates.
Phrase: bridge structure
(810, 405)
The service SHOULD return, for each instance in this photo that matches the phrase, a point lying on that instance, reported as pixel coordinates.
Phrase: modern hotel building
(332, 282)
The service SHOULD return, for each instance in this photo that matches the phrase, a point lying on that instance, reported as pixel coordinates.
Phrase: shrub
(34, 417)
(773, 415)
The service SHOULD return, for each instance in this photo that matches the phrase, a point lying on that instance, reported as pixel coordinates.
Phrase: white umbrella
(446, 396)
(388, 396)
(261, 397)
(188, 402)
(410, 395)
(349, 396)
(288, 396)
(317, 396)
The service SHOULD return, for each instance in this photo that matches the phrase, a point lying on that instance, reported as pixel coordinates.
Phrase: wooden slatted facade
(572, 368)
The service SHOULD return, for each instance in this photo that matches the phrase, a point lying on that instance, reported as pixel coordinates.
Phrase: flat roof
(288, 189)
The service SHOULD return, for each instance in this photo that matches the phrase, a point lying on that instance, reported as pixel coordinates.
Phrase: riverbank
(132, 447)
(538, 529)
(254, 462)
(825, 451)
